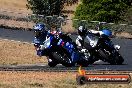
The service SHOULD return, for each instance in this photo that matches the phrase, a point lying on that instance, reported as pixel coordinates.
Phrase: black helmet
(82, 31)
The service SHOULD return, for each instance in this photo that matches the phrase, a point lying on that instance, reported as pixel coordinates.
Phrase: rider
(57, 32)
(82, 34)
(54, 31)
(82, 31)
(40, 35)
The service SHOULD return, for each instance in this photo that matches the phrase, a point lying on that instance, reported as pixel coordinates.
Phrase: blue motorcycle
(101, 47)
(61, 50)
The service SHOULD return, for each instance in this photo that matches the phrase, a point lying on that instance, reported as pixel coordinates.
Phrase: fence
(15, 19)
(23, 20)
(100, 25)
(26, 21)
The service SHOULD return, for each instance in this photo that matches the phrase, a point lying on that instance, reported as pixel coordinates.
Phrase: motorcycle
(76, 56)
(101, 47)
(61, 50)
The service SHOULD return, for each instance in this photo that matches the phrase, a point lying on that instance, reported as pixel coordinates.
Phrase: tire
(103, 55)
(120, 60)
(67, 62)
(113, 59)
(56, 56)
(83, 62)
(117, 59)
(52, 64)
(60, 58)
(81, 80)
(110, 55)
(51, 61)
(93, 59)
(68, 65)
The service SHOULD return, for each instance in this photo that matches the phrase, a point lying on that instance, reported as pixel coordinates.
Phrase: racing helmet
(39, 28)
(82, 31)
(107, 32)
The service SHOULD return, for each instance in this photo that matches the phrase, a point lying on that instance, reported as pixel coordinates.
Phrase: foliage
(127, 18)
(102, 10)
(45, 7)
(48, 7)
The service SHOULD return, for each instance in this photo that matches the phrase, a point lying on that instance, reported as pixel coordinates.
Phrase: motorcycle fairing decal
(47, 42)
(73, 54)
(60, 41)
(69, 47)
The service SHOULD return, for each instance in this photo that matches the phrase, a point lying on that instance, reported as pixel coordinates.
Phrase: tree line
(48, 7)
(103, 10)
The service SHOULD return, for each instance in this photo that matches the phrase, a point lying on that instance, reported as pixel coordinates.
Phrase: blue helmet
(107, 32)
(39, 27)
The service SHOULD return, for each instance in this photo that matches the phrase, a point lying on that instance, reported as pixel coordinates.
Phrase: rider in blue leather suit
(40, 35)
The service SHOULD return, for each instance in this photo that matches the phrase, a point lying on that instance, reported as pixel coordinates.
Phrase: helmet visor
(37, 33)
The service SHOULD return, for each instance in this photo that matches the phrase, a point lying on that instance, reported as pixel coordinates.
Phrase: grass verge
(48, 80)
(15, 53)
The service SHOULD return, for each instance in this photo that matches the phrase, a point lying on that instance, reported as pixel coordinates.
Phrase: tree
(48, 7)
(102, 10)
(45, 7)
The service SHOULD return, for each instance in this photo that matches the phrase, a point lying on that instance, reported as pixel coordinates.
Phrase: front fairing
(70, 48)
(92, 39)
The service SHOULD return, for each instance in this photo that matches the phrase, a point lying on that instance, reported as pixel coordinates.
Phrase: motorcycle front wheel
(114, 58)
(63, 59)
(117, 59)
(52, 62)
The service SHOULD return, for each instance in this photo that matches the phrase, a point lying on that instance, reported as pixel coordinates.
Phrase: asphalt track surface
(27, 36)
